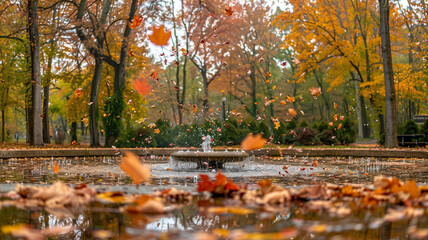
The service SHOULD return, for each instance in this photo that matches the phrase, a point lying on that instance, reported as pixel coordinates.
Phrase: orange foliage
(136, 21)
(221, 186)
(55, 168)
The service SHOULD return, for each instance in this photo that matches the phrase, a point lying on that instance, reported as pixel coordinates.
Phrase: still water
(188, 221)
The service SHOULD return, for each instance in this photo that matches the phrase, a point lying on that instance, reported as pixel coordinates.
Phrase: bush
(320, 126)
(306, 136)
(327, 137)
(410, 127)
(424, 130)
(136, 137)
(346, 134)
(303, 123)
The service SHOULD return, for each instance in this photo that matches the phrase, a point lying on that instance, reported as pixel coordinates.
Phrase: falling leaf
(268, 75)
(142, 87)
(136, 21)
(228, 11)
(252, 142)
(315, 163)
(154, 75)
(183, 51)
(283, 102)
(160, 36)
(315, 91)
(290, 99)
(277, 124)
(335, 117)
(55, 168)
(292, 111)
(335, 106)
(157, 131)
(133, 167)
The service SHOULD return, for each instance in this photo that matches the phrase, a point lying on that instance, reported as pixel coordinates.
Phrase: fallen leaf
(55, 168)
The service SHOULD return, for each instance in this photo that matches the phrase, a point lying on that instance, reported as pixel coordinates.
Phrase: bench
(407, 140)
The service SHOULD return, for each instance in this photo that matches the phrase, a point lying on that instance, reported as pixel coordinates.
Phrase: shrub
(135, 137)
(320, 126)
(424, 130)
(306, 136)
(346, 134)
(327, 137)
(410, 127)
(303, 123)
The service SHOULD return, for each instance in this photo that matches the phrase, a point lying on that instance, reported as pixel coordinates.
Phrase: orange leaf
(315, 163)
(221, 179)
(315, 91)
(228, 11)
(160, 36)
(205, 184)
(252, 142)
(136, 21)
(133, 167)
(292, 111)
(55, 168)
(290, 99)
(142, 87)
(335, 106)
(231, 186)
(268, 75)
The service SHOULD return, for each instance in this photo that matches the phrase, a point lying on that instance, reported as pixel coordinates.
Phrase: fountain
(208, 159)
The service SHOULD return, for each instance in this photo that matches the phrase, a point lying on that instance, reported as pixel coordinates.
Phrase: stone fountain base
(204, 160)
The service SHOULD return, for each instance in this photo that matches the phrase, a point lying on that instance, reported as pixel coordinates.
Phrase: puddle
(188, 221)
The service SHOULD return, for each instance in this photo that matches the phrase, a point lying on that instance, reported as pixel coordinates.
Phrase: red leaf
(205, 184)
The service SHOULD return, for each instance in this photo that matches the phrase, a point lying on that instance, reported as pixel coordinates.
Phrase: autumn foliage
(221, 186)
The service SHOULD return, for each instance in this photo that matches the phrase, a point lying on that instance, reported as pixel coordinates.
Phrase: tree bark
(3, 135)
(36, 96)
(93, 109)
(390, 97)
(46, 134)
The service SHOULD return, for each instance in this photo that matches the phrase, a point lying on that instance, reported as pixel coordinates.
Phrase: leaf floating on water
(133, 167)
(252, 142)
(56, 168)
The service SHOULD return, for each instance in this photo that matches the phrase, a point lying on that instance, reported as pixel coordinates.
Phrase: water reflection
(190, 219)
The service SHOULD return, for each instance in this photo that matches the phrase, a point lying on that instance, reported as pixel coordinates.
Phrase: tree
(390, 97)
(94, 43)
(35, 117)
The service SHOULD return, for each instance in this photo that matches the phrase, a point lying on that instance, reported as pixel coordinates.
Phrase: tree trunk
(3, 135)
(93, 110)
(205, 93)
(73, 132)
(46, 134)
(390, 97)
(36, 96)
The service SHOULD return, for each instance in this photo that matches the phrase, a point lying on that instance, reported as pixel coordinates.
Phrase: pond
(204, 217)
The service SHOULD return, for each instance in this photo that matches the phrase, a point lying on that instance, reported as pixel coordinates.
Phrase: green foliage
(135, 137)
(327, 137)
(303, 123)
(320, 126)
(346, 134)
(424, 130)
(112, 121)
(410, 127)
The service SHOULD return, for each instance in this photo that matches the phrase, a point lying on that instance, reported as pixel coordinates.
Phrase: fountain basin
(205, 160)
